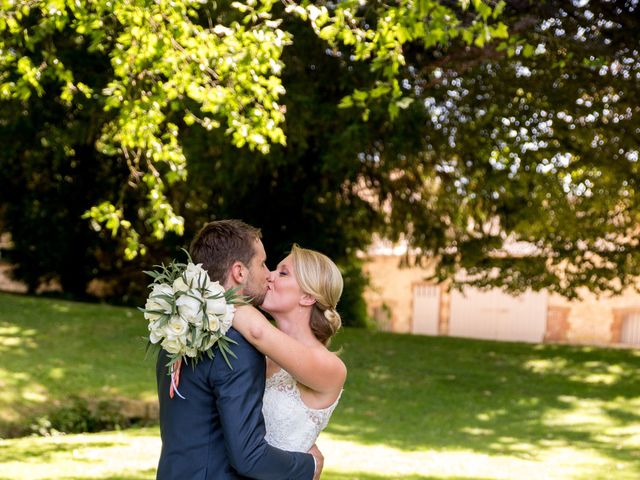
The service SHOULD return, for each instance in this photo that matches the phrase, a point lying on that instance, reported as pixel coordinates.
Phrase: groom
(217, 432)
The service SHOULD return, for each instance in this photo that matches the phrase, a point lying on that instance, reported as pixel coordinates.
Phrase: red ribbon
(175, 379)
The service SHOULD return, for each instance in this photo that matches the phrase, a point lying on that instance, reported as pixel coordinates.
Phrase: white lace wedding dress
(291, 425)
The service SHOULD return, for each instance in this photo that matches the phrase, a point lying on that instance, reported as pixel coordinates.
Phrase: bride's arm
(316, 368)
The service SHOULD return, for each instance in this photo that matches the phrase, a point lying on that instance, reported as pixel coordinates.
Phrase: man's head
(232, 253)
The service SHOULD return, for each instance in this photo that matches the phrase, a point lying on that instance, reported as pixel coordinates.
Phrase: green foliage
(177, 63)
(528, 142)
(352, 307)
(381, 33)
(76, 416)
(164, 64)
(135, 81)
(527, 171)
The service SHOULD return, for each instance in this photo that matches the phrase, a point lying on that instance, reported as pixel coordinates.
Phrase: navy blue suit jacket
(218, 431)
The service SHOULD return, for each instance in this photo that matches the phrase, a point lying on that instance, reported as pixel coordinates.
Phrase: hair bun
(334, 318)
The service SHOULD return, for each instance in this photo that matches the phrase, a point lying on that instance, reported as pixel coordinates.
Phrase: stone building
(400, 300)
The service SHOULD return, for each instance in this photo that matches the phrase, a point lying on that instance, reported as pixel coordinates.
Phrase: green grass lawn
(413, 408)
(54, 349)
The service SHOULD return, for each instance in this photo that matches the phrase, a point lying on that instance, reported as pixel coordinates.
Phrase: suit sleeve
(239, 399)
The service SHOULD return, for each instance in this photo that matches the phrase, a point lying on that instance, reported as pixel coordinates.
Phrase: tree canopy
(177, 63)
(527, 174)
(513, 158)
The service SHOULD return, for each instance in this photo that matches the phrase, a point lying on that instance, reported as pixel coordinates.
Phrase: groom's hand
(317, 455)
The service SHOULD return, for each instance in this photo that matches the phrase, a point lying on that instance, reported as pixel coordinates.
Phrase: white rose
(216, 306)
(153, 307)
(191, 352)
(179, 285)
(156, 304)
(214, 323)
(156, 333)
(214, 289)
(195, 276)
(161, 289)
(177, 327)
(155, 337)
(227, 320)
(172, 345)
(190, 307)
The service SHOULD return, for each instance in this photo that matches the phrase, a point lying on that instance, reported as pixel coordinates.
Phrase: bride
(304, 378)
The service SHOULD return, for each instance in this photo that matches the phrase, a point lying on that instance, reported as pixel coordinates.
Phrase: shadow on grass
(515, 399)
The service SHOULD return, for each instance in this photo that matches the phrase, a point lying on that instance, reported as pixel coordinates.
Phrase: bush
(79, 417)
(352, 307)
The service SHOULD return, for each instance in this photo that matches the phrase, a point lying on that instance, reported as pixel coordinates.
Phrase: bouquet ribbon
(175, 379)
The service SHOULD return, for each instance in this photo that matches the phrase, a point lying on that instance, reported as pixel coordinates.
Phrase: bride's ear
(307, 300)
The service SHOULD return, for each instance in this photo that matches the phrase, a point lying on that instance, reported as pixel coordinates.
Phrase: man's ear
(307, 300)
(238, 273)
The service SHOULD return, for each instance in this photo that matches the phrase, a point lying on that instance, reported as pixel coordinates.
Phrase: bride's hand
(317, 455)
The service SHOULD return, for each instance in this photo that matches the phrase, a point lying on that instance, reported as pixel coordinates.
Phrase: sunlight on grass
(17, 389)
(58, 307)
(133, 454)
(580, 413)
(89, 456)
(614, 426)
(591, 372)
(546, 365)
(56, 373)
(557, 463)
(13, 338)
(54, 349)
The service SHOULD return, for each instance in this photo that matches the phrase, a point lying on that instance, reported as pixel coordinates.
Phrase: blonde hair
(319, 277)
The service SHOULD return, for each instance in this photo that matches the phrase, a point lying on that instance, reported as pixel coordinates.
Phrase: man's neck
(229, 284)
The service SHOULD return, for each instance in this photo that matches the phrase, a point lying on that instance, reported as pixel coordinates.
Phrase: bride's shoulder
(335, 364)
(246, 309)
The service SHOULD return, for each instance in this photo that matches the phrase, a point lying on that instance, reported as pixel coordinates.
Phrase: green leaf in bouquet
(232, 297)
(152, 273)
(225, 349)
(173, 358)
(151, 348)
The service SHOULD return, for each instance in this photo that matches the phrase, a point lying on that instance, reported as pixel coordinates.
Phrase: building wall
(391, 291)
(591, 320)
(594, 320)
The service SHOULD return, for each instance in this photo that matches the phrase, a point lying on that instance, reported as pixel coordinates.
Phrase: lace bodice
(291, 425)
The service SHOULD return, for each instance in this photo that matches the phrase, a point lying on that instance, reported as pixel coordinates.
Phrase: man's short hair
(221, 243)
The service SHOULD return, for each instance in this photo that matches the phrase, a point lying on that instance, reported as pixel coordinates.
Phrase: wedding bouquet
(188, 314)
